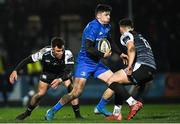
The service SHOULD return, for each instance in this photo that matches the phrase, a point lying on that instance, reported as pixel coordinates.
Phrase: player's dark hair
(103, 8)
(57, 41)
(126, 22)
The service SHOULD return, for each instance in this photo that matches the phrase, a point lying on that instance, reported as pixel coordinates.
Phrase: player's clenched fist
(107, 54)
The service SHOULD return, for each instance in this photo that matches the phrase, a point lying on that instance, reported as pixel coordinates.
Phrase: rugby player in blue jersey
(89, 60)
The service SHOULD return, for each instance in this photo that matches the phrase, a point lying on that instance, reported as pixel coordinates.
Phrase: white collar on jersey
(52, 54)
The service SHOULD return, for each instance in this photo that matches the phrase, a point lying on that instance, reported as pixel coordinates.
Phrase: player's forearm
(92, 50)
(23, 63)
(67, 72)
(131, 56)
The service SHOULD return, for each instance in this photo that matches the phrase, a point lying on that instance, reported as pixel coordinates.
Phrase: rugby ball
(104, 45)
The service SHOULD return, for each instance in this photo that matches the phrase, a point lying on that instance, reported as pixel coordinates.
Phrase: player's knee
(41, 94)
(110, 81)
(76, 94)
(69, 88)
(119, 80)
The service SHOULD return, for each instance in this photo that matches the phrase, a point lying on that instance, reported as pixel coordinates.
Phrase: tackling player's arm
(23, 63)
(67, 73)
(131, 51)
(65, 76)
(117, 50)
(30, 59)
(13, 76)
(128, 41)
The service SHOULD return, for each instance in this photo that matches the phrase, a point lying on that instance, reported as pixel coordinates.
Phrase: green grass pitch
(151, 113)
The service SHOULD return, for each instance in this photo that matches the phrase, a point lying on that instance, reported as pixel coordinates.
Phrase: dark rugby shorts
(49, 77)
(142, 75)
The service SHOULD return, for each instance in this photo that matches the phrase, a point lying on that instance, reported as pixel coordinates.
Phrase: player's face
(122, 29)
(58, 52)
(104, 17)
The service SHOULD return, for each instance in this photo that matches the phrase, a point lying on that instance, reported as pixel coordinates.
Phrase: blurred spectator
(32, 35)
(28, 24)
(5, 87)
(33, 39)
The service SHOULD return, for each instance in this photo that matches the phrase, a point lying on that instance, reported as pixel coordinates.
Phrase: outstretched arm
(14, 75)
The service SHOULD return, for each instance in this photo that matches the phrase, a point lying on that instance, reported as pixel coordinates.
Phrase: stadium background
(28, 25)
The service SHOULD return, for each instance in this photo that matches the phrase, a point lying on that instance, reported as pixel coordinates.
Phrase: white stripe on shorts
(136, 66)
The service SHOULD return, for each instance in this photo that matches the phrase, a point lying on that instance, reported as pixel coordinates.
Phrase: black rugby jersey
(50, 63)
(61, 67)
(144, 54)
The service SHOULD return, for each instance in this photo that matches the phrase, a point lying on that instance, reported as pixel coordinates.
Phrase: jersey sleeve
(90, 32)
(109, 32)
(38, 55)
(69, 59)
(126, 37)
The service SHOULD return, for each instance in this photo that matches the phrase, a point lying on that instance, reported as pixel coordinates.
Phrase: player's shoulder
(68, 53)
(129, 34)
(126, 37)
(41, 53)
(45, 50)
(69, 59)
(94, 24)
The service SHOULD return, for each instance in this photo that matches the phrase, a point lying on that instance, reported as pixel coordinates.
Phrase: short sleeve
(38, 55)
(69, 59)
(126, 37)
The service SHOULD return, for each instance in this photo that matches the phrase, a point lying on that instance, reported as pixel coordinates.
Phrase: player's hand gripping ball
(104, 45)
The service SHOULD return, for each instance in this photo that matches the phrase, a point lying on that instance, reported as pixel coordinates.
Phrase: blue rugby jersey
(94, 31)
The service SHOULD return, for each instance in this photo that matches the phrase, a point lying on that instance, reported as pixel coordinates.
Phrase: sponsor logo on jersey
(100, 33)
(47, 60)
(83, 73)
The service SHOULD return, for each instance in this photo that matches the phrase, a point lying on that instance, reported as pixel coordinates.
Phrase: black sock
(118, 100)
(75, 107)
(140, 92)
(69, 88)
(30, 108)
(76, 110)
(120, 90)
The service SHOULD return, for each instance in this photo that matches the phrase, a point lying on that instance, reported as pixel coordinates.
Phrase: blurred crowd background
(28, 25)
